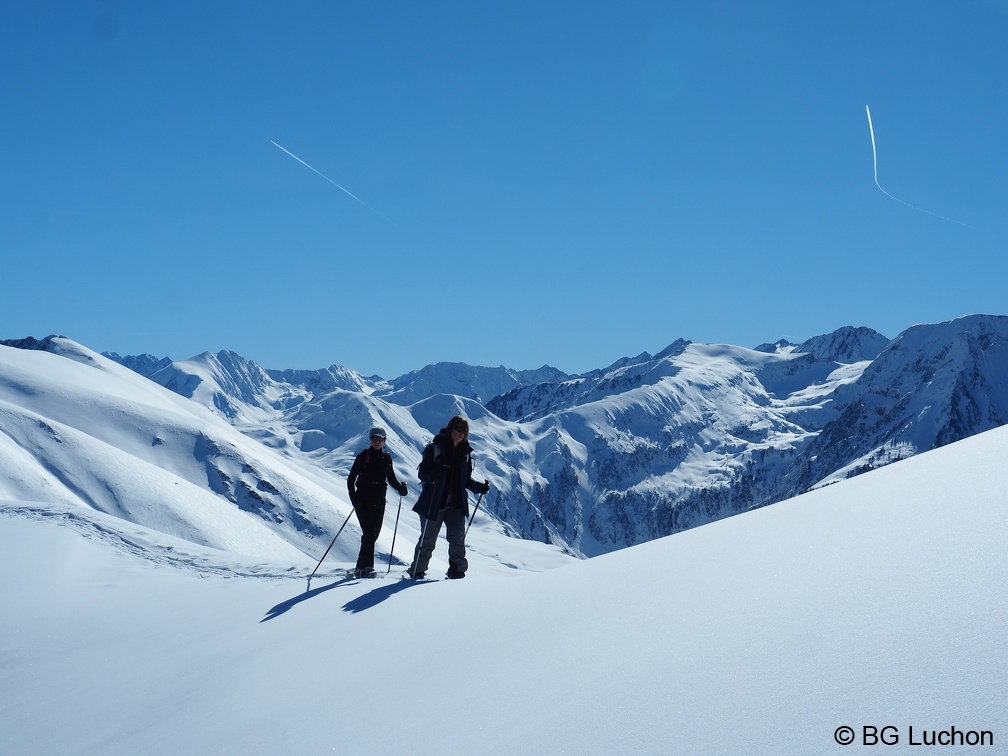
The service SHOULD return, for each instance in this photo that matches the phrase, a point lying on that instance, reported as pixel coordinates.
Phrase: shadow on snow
(375, 597)
(286, 606)
(366, 601)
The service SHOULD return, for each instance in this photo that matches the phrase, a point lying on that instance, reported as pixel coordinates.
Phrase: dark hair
(459, 422)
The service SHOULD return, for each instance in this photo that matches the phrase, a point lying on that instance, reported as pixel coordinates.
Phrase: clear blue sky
(538, 181)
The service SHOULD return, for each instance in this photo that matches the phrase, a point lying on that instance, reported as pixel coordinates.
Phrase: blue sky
(535, 182)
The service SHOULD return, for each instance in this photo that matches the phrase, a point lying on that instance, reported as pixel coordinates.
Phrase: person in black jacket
(367, 483)
(446, 474)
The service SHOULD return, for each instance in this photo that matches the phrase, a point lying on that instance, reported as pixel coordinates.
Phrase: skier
(367, 484)
(445, 473)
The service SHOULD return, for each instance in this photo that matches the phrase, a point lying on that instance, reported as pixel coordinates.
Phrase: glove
(402, 489)
(483, 488)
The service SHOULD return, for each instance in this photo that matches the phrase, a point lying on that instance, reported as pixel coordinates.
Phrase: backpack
(427, 469)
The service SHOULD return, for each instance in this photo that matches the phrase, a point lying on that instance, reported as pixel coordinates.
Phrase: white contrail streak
(874, 152)
(341, 188)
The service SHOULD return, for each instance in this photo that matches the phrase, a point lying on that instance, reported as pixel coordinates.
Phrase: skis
(424, 579)
(356, 575)
(352, 575)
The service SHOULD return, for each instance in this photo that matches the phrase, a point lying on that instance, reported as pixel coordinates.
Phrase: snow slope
(877, 601)
(88, 436)
(88, 432)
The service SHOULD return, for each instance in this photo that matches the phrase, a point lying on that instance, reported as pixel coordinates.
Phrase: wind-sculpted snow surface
(875, 603)
(649, 446)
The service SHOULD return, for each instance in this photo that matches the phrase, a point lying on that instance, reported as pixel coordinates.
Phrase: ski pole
(416, 552)
(331, 544)
(473, 516)
(393, 536)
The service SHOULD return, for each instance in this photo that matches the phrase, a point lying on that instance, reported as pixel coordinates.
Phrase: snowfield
(876, 602)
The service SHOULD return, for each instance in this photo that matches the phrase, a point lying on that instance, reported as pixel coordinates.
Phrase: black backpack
(427, 469)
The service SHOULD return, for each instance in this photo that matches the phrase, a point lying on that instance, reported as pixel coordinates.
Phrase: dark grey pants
(455, 524)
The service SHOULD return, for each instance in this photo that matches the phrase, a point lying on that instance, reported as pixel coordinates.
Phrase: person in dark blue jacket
(446, 476)
(371, 469)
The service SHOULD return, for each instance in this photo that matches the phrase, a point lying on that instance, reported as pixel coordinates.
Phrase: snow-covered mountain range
(646, 447)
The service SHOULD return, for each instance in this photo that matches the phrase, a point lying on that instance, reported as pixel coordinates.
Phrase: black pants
(370, 513)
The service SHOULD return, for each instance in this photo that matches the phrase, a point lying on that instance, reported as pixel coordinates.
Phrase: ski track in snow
(150, 547)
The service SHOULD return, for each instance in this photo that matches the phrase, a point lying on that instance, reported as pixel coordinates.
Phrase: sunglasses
(459, 428)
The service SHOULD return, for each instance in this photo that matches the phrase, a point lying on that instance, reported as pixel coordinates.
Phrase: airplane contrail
(341, 188)
(874, 152)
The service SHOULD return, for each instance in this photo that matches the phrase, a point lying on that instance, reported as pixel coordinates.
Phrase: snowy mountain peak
(144, 364)
(782, 346)
(932, 385)
(846, 345)
(30, 342)
(677, 347)
(325, 379)
(236, 387)
(480, 384)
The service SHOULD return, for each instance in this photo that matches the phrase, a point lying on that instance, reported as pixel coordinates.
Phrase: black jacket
(446, 474)
(368, 475)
